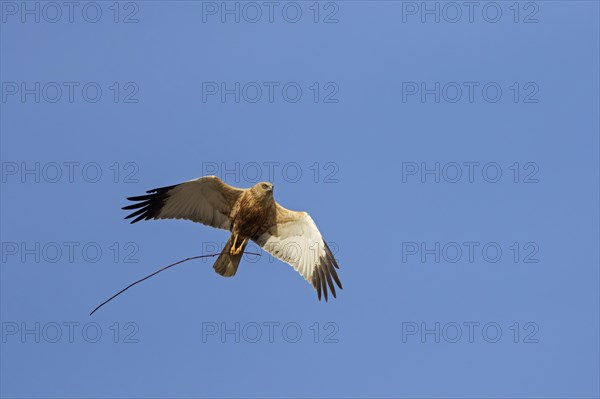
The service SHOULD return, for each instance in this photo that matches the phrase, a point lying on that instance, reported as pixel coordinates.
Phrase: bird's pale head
(263, 189)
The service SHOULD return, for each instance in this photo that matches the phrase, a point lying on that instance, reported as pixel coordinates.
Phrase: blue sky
(450, 157)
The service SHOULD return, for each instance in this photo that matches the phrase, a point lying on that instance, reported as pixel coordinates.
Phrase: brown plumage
(250, 214)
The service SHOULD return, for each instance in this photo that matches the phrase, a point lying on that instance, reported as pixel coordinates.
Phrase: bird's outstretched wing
(294, 238)
(206, 200)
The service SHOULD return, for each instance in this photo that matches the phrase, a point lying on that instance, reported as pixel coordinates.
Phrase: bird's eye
(265, 186)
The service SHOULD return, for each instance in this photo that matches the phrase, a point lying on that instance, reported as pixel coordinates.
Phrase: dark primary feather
(150, 205)
(324, 273)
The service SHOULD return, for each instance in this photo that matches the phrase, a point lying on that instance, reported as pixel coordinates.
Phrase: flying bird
(250, 214)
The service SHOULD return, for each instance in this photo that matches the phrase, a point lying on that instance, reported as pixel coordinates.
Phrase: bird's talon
(232, 249)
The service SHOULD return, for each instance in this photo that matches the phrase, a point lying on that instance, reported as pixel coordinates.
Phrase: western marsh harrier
(250, 214)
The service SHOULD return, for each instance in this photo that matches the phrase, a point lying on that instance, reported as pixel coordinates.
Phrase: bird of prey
(250, 214)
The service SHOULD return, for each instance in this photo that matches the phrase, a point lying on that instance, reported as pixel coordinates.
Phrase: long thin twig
(156, 272)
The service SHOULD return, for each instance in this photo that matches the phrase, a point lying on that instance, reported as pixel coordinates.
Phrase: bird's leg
(232, 249)
(239, 249)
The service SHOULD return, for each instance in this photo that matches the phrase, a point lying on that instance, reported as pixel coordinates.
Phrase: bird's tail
(227, 264)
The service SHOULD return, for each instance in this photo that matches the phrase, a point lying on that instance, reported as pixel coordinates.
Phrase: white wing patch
(298, 242)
